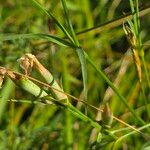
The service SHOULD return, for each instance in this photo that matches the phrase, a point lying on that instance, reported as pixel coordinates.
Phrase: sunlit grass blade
(71, 30)
(40, 7)
(134, 16)
(64, 89)
(82, 58)
(121, 98)
(54, 39)
(118, 142)
(134, 38)
(78, 100)
(27, 85)
(113, 23)
(141, 49)
(34, 62)
(28, 101)
(79, 50)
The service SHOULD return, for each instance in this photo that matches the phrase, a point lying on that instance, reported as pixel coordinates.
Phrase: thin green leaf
(80, 115)
(114, 22)
(79, 50)
(118, 142)
(54, 39)
(28, 101)
(69, 23)
(41, 8)
(82, 59)
(121, 98)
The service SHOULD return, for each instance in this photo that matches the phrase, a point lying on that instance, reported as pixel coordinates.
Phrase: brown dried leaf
(26, 64)
(2, 75)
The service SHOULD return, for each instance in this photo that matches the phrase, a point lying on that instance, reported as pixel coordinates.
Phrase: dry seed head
(133, 42)
(1, 80)
(130, 35)
(12, 75)
(2, 75)
(30, 56)
(26, 63)
(33, 61)
(2, 71)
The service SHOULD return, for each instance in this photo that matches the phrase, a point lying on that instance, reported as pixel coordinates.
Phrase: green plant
(38, 109)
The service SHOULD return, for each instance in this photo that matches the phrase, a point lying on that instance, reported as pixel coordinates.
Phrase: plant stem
(68, 117)
(116, 144)
(35, 90)
(101, 74)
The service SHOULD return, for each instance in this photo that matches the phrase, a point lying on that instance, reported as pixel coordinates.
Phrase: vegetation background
(25, 125)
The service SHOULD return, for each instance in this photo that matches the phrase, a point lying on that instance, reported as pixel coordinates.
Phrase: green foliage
(107, 71)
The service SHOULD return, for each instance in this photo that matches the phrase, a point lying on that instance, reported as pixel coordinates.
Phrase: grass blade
(69, 23)
(113, 23)
(54, 39)
(82, 59)
(121, 98)
(68, 135)
(35, 90)
(79, 50)
(116, 144)
(40, 7)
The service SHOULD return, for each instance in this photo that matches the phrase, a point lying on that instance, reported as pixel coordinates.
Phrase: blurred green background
(29, 126)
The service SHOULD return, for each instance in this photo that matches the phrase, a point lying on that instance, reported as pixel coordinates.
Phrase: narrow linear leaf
(121, 98)
(80, 115)
(82, 59)
(69, 23)
(35, 90)
(114, 22)
(41, 8)
(28, 101)
(54, 39)
(79, 50)
(118, 142)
